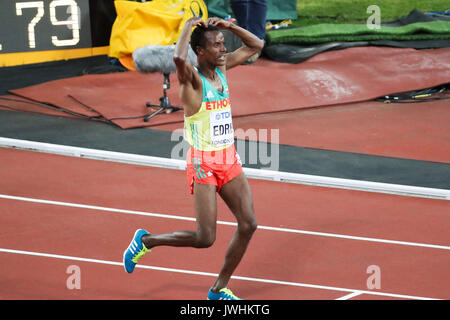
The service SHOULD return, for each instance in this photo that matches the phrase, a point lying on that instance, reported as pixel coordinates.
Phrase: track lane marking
(352, 292)
(350, 295)
(168, 216)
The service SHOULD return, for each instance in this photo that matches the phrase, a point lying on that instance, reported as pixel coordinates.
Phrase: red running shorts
(212, 167)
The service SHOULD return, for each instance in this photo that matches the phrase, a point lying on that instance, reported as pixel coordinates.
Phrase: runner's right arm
(185, 71)
(189, 80)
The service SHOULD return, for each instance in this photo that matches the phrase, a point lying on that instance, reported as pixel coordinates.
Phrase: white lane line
(350, 295)
(168, 216)
(271, 175)
(209, 274)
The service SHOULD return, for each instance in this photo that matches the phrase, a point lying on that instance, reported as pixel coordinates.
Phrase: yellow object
(157, 22)
(282, 24)
(20, 58)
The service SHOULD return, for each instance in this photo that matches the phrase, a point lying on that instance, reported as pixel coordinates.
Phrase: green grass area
(325, 33)
(355, 11)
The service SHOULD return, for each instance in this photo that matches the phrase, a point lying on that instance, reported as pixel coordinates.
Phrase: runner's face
(215, 48)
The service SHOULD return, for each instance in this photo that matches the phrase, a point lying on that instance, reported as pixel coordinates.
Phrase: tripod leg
(164, 101)
(149, 104)
(147, 118)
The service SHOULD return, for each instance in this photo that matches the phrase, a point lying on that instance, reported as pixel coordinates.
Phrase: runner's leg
(205, 205)
(238, 197)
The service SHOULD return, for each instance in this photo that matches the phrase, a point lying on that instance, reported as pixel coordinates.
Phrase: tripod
(165, 104)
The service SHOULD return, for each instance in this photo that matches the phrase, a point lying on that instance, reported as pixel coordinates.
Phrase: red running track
(293, 260)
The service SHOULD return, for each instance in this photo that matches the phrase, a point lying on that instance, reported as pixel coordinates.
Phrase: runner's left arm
(251, 43)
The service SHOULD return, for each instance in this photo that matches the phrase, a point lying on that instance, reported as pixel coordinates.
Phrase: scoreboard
(44, 25)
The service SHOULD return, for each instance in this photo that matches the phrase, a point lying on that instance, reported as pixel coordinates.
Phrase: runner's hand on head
(195, 21)
(220, 23)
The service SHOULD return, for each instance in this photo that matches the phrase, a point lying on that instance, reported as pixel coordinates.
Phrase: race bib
(221, 128)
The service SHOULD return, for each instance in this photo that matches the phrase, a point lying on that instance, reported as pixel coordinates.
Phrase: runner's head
(208, 44)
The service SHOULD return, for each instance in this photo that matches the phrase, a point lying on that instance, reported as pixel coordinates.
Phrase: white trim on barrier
(279, 176)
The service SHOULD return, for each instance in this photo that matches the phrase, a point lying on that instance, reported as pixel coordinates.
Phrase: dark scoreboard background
(41, 25)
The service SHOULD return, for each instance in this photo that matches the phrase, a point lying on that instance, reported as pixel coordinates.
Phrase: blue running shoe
(135, 251)
(223, 294)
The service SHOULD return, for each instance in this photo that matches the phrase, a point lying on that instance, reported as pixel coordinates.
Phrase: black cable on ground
(430, 94)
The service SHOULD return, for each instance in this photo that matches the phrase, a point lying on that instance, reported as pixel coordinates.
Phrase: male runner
(212, 162)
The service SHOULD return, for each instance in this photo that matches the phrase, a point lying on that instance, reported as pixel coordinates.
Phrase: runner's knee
(205, 239)
(248, 227)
